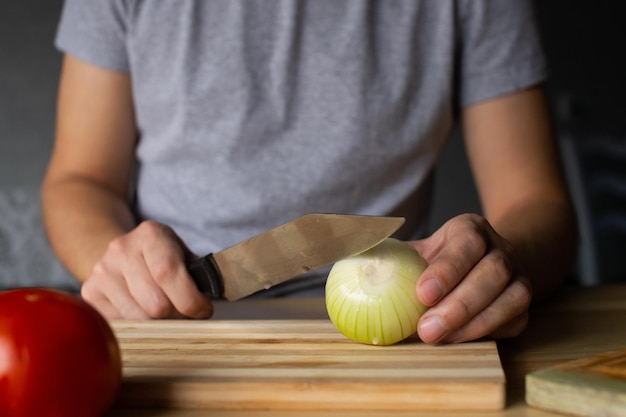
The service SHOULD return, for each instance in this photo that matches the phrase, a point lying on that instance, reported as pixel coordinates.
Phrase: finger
(107, 310)
(164, 258)
(109, 293)
(117, 278)
(182, 292)
(513, 328)
(481, 286)
(127, 306)
(99, 302)
(147, 293)
(169, 272)
(505, 317)
(462, 243)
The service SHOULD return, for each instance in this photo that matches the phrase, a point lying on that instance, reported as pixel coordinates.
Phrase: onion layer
(371, 297)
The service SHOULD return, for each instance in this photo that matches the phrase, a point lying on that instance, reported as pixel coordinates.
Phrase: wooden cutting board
(594, 386)
(299, 365)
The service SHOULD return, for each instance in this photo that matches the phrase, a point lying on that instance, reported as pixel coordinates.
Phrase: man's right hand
(142, 275)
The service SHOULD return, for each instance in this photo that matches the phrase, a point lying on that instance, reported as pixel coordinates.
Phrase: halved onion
(371, 298)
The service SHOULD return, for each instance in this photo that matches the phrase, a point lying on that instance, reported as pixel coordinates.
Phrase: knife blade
(307, 243)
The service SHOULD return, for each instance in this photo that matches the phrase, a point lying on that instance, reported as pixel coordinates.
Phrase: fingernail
(431, 291)
(431, 329)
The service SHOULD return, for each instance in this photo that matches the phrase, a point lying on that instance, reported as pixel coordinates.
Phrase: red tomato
(58, 356)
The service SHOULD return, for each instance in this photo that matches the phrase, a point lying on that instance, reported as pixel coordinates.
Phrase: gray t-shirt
(252, 113)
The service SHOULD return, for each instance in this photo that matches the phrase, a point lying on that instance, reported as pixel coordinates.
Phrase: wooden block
(594, 386)
(299, 365)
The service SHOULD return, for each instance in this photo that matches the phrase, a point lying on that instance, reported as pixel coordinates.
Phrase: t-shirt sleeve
(500, 51)
(94, 31)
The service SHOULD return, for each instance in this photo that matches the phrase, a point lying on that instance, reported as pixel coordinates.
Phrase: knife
(287, 251)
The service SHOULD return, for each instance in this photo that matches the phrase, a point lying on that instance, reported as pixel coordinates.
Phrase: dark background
(585, 43)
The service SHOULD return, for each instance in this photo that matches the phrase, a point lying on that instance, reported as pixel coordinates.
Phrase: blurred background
(585, 43)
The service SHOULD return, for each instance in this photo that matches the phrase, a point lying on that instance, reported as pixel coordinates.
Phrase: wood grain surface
(575, 323)
(591, 386)
(298, 365)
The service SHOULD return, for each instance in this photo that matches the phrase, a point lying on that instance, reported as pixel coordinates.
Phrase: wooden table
(576, 322)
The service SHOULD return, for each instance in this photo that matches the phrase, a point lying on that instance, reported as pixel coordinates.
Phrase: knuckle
(463, 307)
(449, 274)
(92, 288)
(479, 326)
(474, 222)
(482, 325)
(152, 230)
(470, 218)
(92, 296)
(500, 267)
(148, 227)
(99, 270)
(87, 292)
(520, 294)
(164, 269)
(118, 247)
(480, 222)
(158, 307)
(506, 247)
(477, 230)
(474, 239)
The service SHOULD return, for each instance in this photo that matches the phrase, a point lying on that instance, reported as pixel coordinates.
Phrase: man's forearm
(81, 218)
(544, 237)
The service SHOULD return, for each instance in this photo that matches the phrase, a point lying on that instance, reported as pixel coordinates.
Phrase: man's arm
(484, 271)
(515, 161)
(127, 270)
(85, 190)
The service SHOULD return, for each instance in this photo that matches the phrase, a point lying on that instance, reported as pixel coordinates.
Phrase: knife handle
(206, 275)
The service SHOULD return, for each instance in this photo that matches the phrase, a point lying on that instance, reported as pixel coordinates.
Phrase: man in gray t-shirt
(231, 117)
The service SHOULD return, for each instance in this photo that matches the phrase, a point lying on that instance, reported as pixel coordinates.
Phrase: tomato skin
(58, 356)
